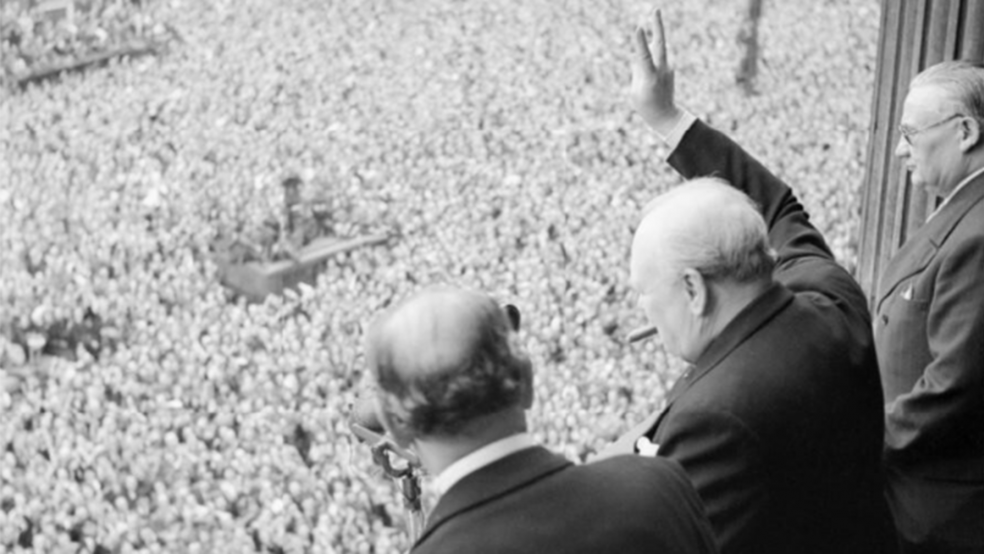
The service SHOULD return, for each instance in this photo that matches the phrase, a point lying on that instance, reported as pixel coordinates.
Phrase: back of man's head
(961, 81)
(706, 225)
(445, 358)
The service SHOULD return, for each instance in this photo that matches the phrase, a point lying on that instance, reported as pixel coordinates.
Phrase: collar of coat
(920, 248)
(756, 314)
(493, 481)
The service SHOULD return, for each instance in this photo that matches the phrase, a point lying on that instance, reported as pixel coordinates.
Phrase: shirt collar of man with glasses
(955, 190)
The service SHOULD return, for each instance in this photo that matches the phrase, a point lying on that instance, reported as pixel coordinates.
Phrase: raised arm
(805, 261)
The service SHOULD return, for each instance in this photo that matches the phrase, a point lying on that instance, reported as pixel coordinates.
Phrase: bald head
(446, 356)
(700, 255)
(706, 225)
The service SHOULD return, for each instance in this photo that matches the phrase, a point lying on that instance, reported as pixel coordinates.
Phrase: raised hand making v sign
(652, 78)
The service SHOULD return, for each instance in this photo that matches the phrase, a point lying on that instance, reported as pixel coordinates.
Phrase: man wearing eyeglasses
(929, 321)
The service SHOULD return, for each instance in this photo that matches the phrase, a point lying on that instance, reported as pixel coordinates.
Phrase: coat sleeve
(724, 461)
(805, 262)
(944, 412)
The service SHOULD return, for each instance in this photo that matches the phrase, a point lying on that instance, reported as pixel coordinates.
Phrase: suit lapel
(493, 481)
(912, 258)
(922, 246)
(744, 325)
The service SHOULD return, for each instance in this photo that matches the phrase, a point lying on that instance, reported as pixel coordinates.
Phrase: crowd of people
(493, 140)
(37, 37)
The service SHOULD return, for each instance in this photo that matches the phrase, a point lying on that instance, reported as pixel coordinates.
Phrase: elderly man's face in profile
(929, 145)
(664, 302)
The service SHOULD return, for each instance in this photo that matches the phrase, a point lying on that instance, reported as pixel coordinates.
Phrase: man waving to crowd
(778, 421)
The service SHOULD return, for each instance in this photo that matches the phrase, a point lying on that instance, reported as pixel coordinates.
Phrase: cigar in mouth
(642, 333)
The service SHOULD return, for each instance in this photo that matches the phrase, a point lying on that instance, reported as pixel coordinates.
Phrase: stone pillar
(914, 35)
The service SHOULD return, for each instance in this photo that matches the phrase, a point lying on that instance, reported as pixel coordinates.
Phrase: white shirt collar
(486, 455)
(954, 192)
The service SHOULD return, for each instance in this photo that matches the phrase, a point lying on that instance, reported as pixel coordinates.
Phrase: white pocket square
(645, 447)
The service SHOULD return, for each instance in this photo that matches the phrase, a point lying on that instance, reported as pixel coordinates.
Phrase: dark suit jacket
(538, 502)
(929, 330)
(779, 423)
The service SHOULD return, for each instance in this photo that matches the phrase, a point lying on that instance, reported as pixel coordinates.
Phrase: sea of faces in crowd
(38, 35)
(493, 142)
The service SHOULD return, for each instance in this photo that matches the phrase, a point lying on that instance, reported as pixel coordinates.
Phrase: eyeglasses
(908, 132)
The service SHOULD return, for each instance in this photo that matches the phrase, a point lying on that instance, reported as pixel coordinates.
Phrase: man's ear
(971, 134)
(695, 287)
(513, 313)
(526, 366)
(526, 376)
(396, 426)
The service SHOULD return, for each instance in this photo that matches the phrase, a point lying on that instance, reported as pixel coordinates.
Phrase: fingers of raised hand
(642, 45)
(658, 44)
(650, 41)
